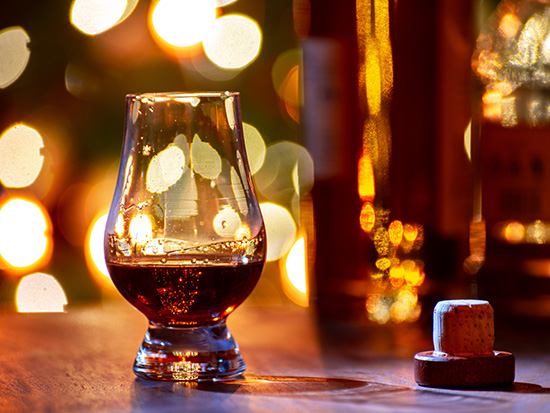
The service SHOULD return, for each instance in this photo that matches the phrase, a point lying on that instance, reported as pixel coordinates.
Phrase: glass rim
(181, 95)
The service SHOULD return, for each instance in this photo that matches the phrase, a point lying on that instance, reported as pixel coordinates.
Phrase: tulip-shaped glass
(185, 239)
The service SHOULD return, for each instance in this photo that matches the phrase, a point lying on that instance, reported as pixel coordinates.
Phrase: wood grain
(82, 361)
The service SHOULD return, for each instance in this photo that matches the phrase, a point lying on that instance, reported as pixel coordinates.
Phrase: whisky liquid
(185, 295)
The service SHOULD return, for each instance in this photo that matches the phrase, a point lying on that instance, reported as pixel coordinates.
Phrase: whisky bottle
(511, 155)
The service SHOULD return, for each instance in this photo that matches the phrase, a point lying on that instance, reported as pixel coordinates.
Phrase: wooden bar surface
(81, 361)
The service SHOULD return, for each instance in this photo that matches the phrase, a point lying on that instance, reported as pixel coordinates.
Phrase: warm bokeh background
(65, 69)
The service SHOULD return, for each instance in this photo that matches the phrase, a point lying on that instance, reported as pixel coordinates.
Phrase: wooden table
(81, 361)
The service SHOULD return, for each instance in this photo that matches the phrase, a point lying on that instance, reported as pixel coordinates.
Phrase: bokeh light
(233, 42)
(96, 16)
(280, 230)
(95, 253)
(367, 218)
(514, 232)
(24, 239)
(40, 293)
(285, 75)
(294, 274)
(287, 172)
(21, 156)
(14, 54)
(183, 23)
(255, 147)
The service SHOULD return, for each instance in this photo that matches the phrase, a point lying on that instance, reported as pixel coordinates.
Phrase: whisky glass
(185, 239)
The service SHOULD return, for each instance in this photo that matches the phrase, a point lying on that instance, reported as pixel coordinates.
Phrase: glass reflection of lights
(227, 222)
(141, 228)
(40, 293)
(280, 230)
(96, 16)
(205, 159)
(21, 156)
(14, 54)
(165, 169)
(24, 239)
(233, 42)
(183, 23)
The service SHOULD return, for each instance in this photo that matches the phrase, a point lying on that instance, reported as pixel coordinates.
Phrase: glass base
(189, 354)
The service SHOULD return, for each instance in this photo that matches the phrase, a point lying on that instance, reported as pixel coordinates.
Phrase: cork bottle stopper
(463, 328)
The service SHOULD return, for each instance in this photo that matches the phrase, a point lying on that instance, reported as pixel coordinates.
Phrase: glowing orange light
(291, 93)
(397, 276)
(182, 23)
(408, 297)
(95, 255)
(366, 179)
(504, 88)
(492, 111)
(383, 263)
(514, 232)
(410, 232)
(294, 274)
(414, 275)
(492, 97)
(367, 217)
(509, 25)
(395, 231)
(399, 311)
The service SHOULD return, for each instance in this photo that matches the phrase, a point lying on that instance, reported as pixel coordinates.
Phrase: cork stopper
(463, 328)
(463, 356)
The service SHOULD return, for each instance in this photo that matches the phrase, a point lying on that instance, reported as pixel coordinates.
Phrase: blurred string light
(182, 23)
(21, 156)
(14, 54)
(25, 236)
(40, 293)
(95, 254)
(396, 275)
(280, 230)
(92, 17)
(233, 41)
